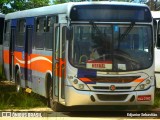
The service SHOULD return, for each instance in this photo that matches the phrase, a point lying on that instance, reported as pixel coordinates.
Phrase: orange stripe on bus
(139, 80)
(40, 63)
(36, 62)
(85, 79)
(6, 56)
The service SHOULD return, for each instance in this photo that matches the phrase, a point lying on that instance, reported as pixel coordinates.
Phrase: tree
(7, 6)
(3, 5)
(59, 1)
(37, 3)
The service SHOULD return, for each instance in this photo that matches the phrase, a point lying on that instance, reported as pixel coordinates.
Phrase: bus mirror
(69, 34)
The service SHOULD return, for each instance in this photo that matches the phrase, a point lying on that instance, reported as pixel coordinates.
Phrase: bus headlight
(75, 81)
(144, 85)
(78, 84)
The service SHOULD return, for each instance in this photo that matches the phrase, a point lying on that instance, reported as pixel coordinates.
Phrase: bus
(156, 18)
(82, 53)
(1, 37)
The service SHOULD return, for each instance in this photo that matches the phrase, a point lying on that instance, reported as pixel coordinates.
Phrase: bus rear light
(144, 98)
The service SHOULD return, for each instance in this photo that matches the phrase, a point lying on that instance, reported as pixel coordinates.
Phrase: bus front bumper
(75, 97)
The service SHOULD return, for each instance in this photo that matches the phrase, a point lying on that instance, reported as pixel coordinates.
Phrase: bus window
(155, 29)
(40, 24)
(21, 33)
(40, 32)
(1, 30)
(48, 24)
(158, 35)
(7, 34)
(51, 20)
(22, 26)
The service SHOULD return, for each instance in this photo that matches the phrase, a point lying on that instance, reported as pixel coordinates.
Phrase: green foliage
(36, 3)
(157, 98)
(59, 1)
(9, 99)
(7, 6)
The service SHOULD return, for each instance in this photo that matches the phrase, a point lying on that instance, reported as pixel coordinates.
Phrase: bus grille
(116, 97)
(106, 88)
(120, 79)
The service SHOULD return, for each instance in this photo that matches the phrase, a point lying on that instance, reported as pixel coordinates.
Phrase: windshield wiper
(100, 34)
(122, 37)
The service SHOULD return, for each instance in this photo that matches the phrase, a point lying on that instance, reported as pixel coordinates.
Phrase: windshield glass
(111, 47)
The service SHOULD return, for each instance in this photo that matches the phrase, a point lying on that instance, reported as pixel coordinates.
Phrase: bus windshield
(116, 47)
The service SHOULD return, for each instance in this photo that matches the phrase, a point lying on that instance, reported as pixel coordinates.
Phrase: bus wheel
(51, 103)
(17, 79)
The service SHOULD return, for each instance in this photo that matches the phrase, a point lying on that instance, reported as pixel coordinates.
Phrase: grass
(9, 99)
(157, 99)
(1, 71)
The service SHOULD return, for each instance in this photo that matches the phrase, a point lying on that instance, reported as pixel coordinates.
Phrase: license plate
(144, 98)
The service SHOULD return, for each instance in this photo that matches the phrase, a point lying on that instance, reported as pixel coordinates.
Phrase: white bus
(156, 17)
(84, 53)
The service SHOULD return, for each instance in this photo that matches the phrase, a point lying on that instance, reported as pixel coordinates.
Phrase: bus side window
(40, 32)
(158, 35)
(20, 33)
(1, 30)
(51, 20)
(155, 29)
(48, 24)
(6, 34)
(40, 24)
(22, 26)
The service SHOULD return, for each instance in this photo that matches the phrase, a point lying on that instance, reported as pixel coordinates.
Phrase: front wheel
(54, 105)
(17, 81)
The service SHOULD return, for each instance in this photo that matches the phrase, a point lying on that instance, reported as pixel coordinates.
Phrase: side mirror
(69, 34)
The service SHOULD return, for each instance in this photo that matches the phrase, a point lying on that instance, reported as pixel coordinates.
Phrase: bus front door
(59, 64)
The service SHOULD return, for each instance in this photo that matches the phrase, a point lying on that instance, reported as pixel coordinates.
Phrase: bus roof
(156, 14)
(60, 9)
(2, 15)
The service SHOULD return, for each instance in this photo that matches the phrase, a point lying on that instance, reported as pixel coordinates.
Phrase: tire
(17, 81)
(54, 105)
